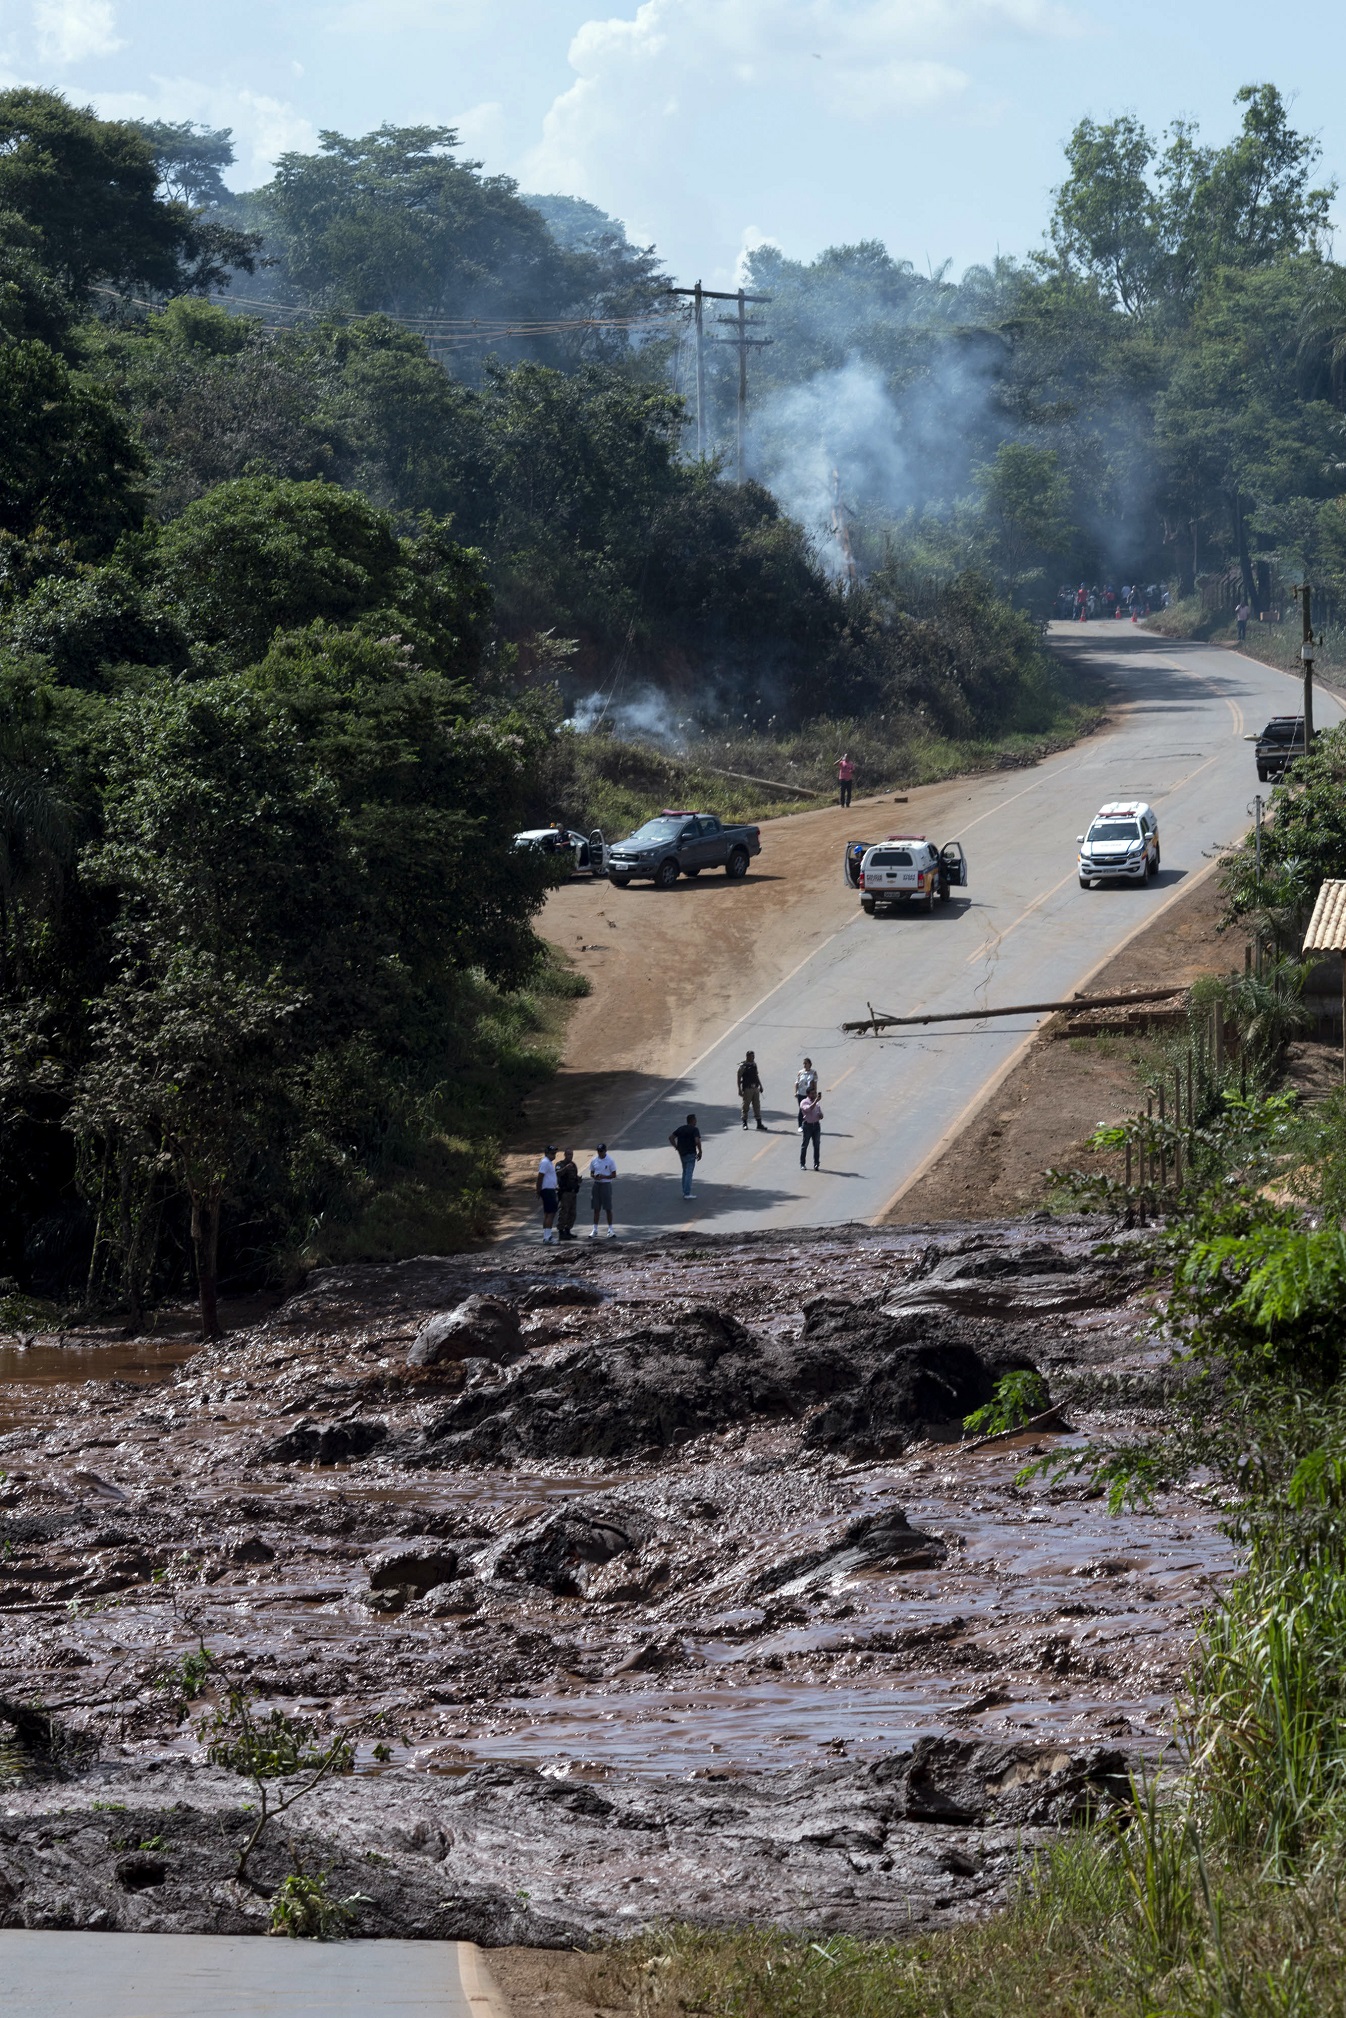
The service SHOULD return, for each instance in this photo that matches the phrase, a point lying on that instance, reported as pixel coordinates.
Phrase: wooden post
(1128, 1178)
(1191, 1105)
(1163, 1145)
(1306, 655)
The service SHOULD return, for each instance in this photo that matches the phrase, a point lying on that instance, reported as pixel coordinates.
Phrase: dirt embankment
(655, 1585)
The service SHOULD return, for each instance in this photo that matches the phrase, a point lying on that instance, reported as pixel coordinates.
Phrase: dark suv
(1281, 741)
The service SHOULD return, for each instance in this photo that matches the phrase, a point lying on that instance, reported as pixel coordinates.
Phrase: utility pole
(1305, 594)
(698, 295)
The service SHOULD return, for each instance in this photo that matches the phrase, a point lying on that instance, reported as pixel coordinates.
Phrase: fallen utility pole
(876, 1020)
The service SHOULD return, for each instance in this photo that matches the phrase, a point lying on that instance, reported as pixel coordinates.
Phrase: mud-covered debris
(928, 1383)
(556, 1551)
(1034, 1279)
(139, 1871)
(868, 1541)
(965, 1780)
(640, 1392)
(414, 1566)
(561, 1294)
(482, 1327)
(449, 1600)
(252, 1549)
(325, 1442)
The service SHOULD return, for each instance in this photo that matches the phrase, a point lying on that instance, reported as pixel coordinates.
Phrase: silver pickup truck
(675, 844)
(905, 869)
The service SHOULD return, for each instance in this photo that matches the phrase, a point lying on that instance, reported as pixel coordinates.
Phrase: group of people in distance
(558, 1189)
(559, 1178)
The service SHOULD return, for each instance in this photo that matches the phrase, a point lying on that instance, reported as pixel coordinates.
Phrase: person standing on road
(810, 1128)
(845, 779)
(602, 1170)
(546, 1191)
(687, 1141)
(1242, 613)
(1082, 604)
(567, 1195)
(806, 1083)
(750, 1089)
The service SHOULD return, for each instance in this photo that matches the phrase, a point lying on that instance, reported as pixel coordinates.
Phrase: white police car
(1122, 844)
(905, 869)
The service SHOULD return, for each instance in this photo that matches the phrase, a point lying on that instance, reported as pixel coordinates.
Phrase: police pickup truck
(675, 844)
(905, 869)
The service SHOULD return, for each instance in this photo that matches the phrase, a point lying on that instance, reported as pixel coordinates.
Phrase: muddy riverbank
(658, 1583)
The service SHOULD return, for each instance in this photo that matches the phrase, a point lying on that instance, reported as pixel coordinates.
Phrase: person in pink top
(845, 778)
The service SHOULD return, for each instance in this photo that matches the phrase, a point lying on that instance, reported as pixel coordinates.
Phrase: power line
(742, 342)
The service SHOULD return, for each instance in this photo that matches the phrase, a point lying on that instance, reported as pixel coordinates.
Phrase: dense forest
(322, 507)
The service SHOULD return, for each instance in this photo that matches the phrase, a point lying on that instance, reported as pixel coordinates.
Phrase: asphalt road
(1023, 931)
(117, 1975)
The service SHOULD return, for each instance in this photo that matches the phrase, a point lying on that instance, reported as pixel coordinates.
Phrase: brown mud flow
(651, 1581)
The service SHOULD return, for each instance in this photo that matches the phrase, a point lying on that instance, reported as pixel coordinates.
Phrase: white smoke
(840, 432)
(644, 717)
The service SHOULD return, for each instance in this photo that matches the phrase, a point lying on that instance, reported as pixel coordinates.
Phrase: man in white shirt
(602, 1170)
(806, 1085)
(546, 1191)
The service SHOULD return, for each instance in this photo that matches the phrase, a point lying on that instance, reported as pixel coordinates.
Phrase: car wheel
(867, 906)
(666, 875)
(1085, 884)
(737, 865)
(619, 882)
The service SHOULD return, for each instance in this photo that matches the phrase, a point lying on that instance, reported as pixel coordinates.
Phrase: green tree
(1026, 506)
(89, 188)
(1107, 217)
(70, 470)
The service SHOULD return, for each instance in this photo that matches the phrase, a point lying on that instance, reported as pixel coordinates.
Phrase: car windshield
(1114, 830)
(658, 830)
(890, 858)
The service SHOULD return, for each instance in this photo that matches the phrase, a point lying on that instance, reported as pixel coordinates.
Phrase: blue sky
(708, 125)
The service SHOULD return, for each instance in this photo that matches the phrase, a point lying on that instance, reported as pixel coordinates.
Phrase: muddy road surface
(645, 1581)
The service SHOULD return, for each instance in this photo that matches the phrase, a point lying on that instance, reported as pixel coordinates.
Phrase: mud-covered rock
(482, 1327)
(1032, 1280)
(415, 1566)
(645, 1391)
(564, 1293)
(555, 1552)
(962, 1780)
(325, 1442)
(923, 1383)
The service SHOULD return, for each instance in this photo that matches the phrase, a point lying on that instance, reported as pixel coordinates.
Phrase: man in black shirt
(567, 1194)
(687, 1141)
(750, 1089)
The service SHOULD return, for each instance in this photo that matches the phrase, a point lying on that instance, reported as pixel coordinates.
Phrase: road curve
(1023, 931)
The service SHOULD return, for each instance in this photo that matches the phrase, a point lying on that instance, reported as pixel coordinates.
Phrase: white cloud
(658, 95)
(69, 30)
(483, 130)
(263, 127)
